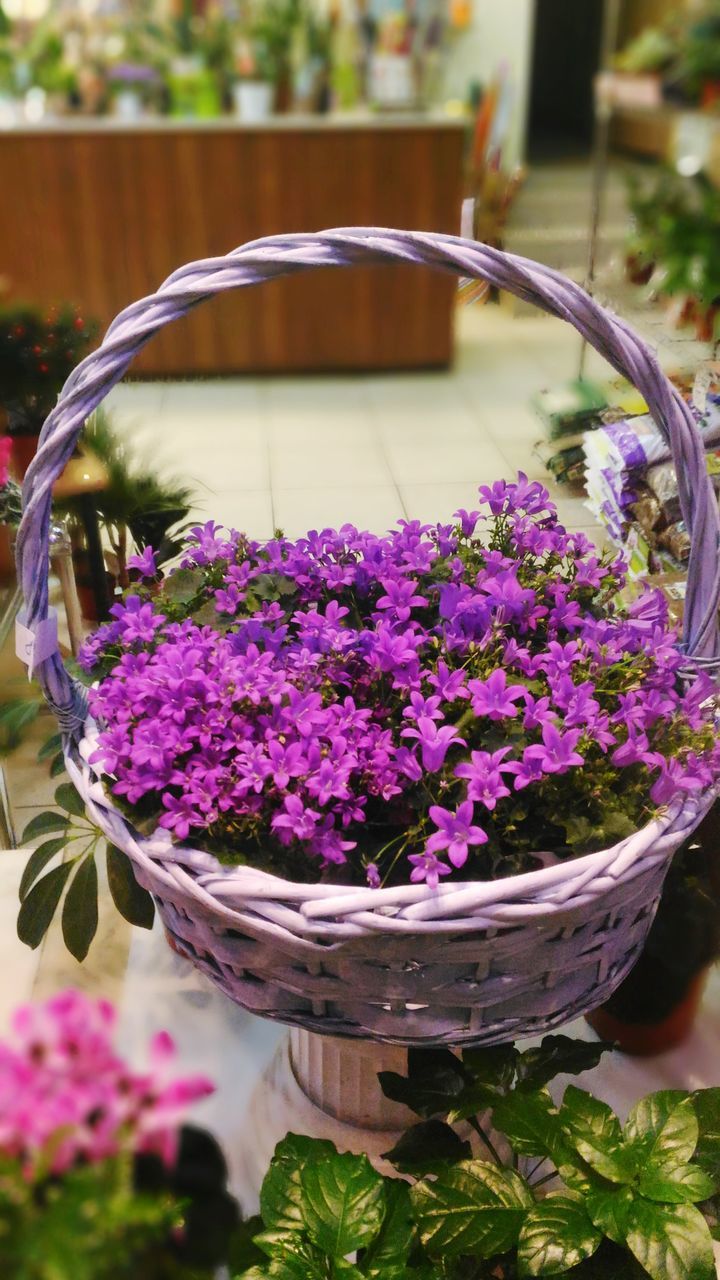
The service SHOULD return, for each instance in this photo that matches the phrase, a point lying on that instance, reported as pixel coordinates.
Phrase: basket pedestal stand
(323, 1087)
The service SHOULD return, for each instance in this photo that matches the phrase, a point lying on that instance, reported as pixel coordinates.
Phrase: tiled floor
(302, 453)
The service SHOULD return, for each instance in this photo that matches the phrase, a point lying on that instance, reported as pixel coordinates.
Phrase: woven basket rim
(548, 886)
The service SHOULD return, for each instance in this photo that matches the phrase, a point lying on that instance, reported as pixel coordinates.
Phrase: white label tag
(35, 646)
(467, 218)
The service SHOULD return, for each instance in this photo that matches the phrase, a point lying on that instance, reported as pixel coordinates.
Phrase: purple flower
(494, 698)
(400, 596)
(468, 521)
(144, 564)
(484, 774)
(434, 742)
(295, 821)
(427, 867)
(455, 833)
(558, 748)
(449, 684)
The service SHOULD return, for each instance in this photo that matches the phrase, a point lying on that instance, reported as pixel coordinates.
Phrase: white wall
(501, 31)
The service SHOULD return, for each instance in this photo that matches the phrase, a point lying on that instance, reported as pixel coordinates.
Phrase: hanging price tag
(32, 647)
(707, 374)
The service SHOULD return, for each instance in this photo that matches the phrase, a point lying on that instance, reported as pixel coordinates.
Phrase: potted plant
(137, 511)
(466, 694)
(580, 1195)
(99, 1179)
(453, 732)
(655, 1007)
(37, 352)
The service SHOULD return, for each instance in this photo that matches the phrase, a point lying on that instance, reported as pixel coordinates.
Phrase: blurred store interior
(137, 136)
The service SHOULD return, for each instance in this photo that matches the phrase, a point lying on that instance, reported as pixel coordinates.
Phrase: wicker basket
(465, 963)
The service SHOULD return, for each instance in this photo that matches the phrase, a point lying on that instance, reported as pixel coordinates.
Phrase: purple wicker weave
(463, 963)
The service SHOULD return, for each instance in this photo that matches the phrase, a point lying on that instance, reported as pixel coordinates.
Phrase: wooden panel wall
(100, 218)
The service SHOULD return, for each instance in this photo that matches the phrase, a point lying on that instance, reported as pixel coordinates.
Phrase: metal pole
(600, 153)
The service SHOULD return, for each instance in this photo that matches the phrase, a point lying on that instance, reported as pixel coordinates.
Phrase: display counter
(99, 211)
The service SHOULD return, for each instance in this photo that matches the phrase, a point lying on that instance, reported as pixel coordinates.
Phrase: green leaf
(706, 1103)
(532, 1125)
(80, 909)
(428, 1147)
(676, 1184)
(66, 797)
(473, 1207)
(43, 823)
(434, 1082)
(594, 1131)
(50, 748)
(133, 902)
(557, 1234)
(40, 905)
(494, 1066)
(38, 861)
(396, 1237)
(608, 1209)
(474, 1100)
(663, 1128)
(343, 1202)
(557, 1055)
(183, 585)
(58, 766)
(281, 1194)
(672, 1242)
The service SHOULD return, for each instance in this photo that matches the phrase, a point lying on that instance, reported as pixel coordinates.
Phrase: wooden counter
(99, 213)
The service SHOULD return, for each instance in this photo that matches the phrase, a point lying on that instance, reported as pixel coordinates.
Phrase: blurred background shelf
(102, 215)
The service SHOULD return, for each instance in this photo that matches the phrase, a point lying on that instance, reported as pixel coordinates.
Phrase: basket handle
(276, 256)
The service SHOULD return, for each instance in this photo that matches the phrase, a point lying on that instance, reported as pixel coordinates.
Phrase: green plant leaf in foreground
(37, 863)
(663, 1128)
(672, 1242)
(594, 1131)
(434, 1082)
(343, 1202)
(67, 798)
(281, 1194)
(80, 909)
(473, 1207)
(40, 905)
(133, 902)
(428, 1147)
(558, 1055)
(556, 1235)
(43, 823)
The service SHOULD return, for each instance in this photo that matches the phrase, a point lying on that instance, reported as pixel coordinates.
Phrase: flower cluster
(67, 1097)
(441, 699)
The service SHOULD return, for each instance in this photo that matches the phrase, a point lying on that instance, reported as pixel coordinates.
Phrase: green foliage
(135, 507)
(124, 1218)
(38, 351)
(625, 1202)
(73, 881)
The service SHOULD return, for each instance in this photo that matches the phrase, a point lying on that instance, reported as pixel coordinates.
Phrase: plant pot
(128, 105)
(253, 100)
(638, 269)
(24, 449)
(710, 94)
(705, 320)
(644, 1040)
(7, 558)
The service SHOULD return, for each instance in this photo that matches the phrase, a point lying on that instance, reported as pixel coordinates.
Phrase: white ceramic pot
(253, 100)
(128, 105)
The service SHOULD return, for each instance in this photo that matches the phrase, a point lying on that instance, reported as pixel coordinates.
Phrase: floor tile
(248, 510)
(376, 507)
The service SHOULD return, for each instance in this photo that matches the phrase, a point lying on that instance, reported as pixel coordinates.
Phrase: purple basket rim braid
(275, 256)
